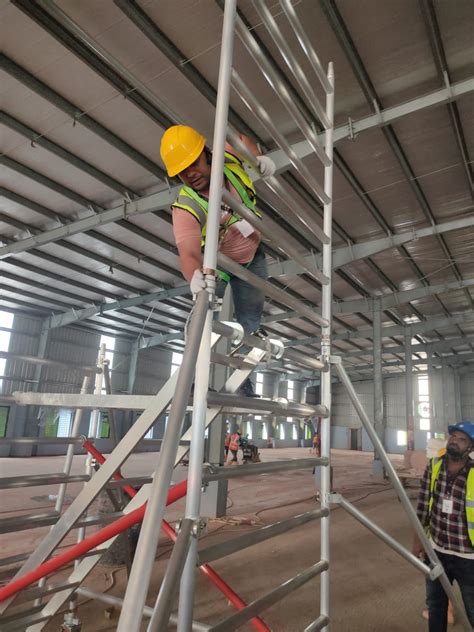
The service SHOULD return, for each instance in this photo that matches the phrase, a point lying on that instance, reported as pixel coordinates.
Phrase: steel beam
(417, 328)
(87, 55)
(450, 360)
(156, 341)
(77, 115)
(451, 92)
(429, 14)
(75, 315)
(123, 210)
(398, 298)
(438, 346)
(356, 252)
(141, 20)
(41, 140)
(389, 332)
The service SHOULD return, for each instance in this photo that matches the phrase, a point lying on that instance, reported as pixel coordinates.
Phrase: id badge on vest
(244, 227)
(447, 506)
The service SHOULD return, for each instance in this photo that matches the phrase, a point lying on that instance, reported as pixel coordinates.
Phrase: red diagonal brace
(214, 577)
(111, 530)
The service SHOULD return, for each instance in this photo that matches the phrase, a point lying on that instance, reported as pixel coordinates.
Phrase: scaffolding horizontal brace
(39, 440)
(277, 235)
(34, 480)
(225, 473)
(270, 290)
(223, 549)
(261, 604)
(141, 402)
(284, 409)
(112, 600)
(22, 523)
(19, 621)
(48, 589)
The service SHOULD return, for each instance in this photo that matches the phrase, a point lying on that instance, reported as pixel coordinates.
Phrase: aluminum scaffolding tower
(148, 504)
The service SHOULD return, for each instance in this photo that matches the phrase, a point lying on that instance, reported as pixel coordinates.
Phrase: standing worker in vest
(184, 153)
(446, 509)
(234, 445)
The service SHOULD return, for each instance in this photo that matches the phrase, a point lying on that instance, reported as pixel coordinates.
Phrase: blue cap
(463, 426)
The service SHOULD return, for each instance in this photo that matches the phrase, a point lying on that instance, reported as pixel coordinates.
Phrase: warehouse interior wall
(451, 396)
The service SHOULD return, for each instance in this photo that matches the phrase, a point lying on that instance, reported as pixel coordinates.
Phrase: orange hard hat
(180, 147)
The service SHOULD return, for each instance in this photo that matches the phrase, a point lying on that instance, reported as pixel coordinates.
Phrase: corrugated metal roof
(396, 179)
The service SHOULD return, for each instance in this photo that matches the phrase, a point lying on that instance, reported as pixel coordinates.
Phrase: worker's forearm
(251, 146)
(189, 264)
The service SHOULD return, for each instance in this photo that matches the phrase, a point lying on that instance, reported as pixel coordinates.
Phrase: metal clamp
(436, 571)
(280, 348)
(334, 499)
(238, 334)
(199, 527)
(71, 623)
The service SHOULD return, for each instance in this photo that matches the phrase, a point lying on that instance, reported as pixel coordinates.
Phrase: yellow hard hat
(180, 147)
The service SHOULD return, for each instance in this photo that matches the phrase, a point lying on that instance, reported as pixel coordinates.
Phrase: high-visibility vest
(469, 500)
(234, 442)
(189, 200)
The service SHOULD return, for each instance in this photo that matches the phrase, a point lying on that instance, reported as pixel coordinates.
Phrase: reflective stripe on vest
(436, 464)
(190, 201)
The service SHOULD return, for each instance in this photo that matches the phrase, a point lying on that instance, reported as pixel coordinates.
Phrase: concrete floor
(372, 589)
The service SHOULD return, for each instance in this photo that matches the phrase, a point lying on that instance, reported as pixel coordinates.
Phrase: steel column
(409, 391)
(378, 384)
(457, 395)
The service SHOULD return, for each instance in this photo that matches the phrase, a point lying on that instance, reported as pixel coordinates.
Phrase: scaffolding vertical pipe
(409, 391)
(137, 587)
(378, 382)
(326, 352)
(93, 425)
(75, 431)
(196, 455)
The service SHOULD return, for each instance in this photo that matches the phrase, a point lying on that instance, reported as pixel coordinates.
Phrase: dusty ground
(372, 589)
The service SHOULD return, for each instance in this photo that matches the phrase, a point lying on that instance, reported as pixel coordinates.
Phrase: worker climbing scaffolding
(186, 155)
